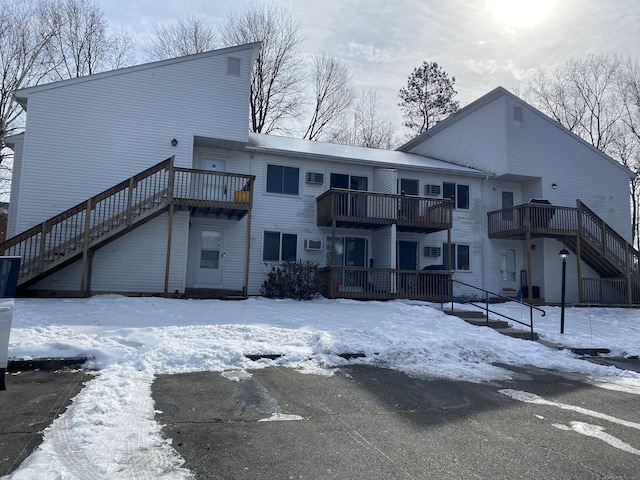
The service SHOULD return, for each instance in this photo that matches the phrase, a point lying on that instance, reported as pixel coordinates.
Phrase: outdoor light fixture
(553, 186)
(174, 142)
(564, 254)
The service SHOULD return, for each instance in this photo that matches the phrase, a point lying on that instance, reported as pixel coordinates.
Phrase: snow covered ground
(110, 431)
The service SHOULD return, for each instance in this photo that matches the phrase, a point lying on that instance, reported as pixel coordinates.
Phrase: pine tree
(428, 97)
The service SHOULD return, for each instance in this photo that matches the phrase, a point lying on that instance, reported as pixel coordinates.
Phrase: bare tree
(25, 31)
(187, 36)
(428, 97)
(82, 45)
(366, 128)
(582, 95)
(598, 99)
(278, 71)
(333, 95)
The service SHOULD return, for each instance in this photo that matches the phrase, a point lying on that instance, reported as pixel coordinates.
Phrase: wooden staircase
(77, 232)
(593, 241)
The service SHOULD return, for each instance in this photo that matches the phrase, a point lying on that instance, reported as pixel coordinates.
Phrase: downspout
(247, 259)
(485, 232)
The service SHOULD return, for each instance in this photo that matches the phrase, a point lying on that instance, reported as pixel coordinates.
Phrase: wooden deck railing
(65, 237)
(356, 208)
(385, 284)
(538, 219)
(601, 246)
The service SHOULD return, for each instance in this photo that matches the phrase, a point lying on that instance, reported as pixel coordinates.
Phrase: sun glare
(520, 13)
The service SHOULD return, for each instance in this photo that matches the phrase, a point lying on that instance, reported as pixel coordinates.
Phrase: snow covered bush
(292, 279)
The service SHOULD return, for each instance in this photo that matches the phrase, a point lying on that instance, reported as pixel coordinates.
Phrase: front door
(508, 277)
(214, 186)
(209, 257)
(408, 260)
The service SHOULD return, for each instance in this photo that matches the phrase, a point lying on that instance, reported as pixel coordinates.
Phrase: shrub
(292, 279)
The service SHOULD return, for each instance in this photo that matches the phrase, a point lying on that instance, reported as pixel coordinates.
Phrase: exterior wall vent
(432, 251)
(432, 190)
(312, 244)
(315, 178)
(233, 66)
(517, 114)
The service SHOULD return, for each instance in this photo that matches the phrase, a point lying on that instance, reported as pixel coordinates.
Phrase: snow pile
(111, 426)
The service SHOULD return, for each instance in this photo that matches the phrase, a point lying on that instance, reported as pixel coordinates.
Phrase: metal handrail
(486, 308)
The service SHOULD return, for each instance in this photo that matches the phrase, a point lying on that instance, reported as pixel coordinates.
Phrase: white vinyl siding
(133, 263)
(86, 136)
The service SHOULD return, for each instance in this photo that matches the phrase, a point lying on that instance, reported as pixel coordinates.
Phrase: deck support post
(247, 258)
(579, 252)
(332, 282)
(528, 247)
(167, 268)
(87, 254)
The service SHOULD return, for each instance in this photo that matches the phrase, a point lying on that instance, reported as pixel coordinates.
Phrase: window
(408, 186)
(282, 179)
(349, 252)
(279, 247)
(460, 254)
(458, 193)
(350, 182)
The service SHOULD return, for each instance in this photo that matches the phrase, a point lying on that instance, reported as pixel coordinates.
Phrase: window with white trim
(284, 180)
(458, 193)
(279, 247)
(459, 256)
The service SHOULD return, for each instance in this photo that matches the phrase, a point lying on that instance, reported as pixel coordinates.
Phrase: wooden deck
(588, 236)
(355, 209)
(385, 284)
(78, 231)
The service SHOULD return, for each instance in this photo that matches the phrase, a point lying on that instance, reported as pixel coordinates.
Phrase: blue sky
(383, 41)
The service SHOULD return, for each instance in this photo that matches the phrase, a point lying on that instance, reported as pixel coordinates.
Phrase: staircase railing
(607, 241)
(485, 305)
(66, 236)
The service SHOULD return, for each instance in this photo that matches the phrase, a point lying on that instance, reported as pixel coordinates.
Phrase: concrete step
(479, 319)
(465, 313)
(482, 322)
(512, 332)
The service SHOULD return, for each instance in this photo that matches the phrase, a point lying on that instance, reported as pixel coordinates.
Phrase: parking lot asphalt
(361, 422)
(365, 422)
(32, 400)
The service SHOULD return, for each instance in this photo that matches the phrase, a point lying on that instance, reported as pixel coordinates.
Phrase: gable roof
(22, 95)
(485, 100)
(310, 149)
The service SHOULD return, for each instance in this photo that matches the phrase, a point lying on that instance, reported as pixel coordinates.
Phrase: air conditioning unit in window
(315, 178)
(432, 251)
(432, 190)
(313, 244)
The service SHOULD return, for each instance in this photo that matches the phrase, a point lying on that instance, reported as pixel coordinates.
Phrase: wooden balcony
(213, 194)
(586, 234)
(385, 284)
(80, 230)
(539, 220)
(355, 209)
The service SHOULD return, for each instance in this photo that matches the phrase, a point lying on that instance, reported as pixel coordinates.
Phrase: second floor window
(458, 193)
(284, 180)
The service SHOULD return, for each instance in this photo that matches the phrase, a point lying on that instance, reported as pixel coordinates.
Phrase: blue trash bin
(9, 269)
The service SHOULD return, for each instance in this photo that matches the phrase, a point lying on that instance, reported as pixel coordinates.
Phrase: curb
(48, 364)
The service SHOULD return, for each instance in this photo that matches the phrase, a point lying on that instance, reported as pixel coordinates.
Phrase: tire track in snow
(108, 432)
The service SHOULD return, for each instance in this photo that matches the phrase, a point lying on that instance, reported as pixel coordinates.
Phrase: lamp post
(564, 254)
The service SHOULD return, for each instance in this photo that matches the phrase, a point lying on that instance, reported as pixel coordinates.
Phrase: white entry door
(214, 187)
(508, 273)
(209, 257)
